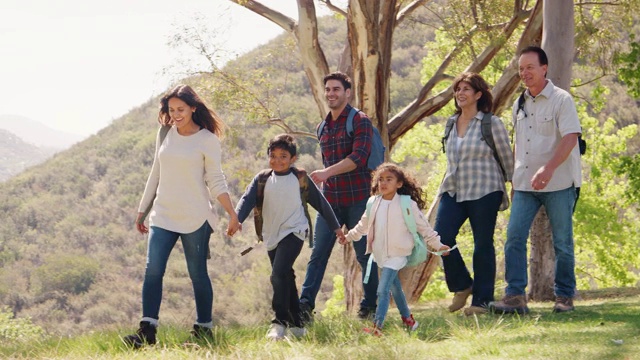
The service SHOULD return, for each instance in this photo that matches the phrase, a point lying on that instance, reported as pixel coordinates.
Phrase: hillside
(70, 220)
(69, 256)
(17, 155)
(37, 133)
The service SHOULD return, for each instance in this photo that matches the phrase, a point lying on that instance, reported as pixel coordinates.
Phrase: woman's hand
(234, 225)
(142, 229)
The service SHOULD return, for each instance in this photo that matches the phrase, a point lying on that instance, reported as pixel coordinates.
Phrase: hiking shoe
(297, 332)
(510, 304)
(410, 322)
(276, 332)
(460, 299)
(475, 310)
(200, 332)
(306, 313)
(146, 335)
(373, 330)
(563, 304)
(366, 313)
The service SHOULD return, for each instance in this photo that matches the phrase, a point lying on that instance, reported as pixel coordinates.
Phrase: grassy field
(605, 325)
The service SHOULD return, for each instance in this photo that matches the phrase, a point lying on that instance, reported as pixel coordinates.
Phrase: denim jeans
(559, 207)
(482, 214)
(196, 247)
(283, 279)
(324, 240)
(390, 283)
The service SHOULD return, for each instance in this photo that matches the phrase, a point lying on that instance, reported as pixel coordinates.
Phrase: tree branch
(334, 8)
(278, 18)
(409, 9)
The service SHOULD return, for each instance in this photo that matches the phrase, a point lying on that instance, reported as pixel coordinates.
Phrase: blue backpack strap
(367, 272)
(409, 220)
(320, 129)
(352, 114)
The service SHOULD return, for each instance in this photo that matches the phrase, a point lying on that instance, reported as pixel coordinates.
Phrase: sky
(76, 65)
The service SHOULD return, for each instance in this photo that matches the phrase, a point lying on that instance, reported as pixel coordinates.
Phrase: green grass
(588, 333)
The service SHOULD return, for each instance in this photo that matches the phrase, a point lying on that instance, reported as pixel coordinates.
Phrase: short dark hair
(542, 56)
(285, 142)
(477, 82)
(340, 76)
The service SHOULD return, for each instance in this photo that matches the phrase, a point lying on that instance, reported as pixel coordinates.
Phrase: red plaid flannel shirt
(335, 144)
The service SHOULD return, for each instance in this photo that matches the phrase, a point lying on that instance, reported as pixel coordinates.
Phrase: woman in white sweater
(186, 175)
(389, 238)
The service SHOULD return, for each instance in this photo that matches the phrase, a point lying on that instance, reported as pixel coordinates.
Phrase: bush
(13, 329)
(70, 274)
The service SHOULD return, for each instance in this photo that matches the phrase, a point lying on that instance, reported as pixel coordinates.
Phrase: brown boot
(460, 299)
(563, 304)
(510, 304)
(475, 310)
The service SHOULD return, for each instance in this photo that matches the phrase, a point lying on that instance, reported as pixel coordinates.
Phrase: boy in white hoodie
(389, 239)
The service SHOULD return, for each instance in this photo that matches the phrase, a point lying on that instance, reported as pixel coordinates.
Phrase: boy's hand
(444, 248)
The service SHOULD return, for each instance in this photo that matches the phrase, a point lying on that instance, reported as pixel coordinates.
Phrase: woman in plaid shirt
(473, 188)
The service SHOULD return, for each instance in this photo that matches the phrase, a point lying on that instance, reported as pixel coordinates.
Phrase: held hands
(340, 236)
(142, 229)
(444, 250)
(234, 225)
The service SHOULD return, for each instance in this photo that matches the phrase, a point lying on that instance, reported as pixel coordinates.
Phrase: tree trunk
(557, 41)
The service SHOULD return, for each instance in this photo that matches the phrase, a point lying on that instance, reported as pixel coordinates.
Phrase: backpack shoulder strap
(409, 220)
(320, 128)
(303, 181)
(164, 130)
(257, 211)
(352, 114)
(447, 131)
(487, 135)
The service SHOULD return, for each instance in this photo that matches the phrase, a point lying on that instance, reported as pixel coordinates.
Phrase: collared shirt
(472, 171)
(335, 144)
(539, 129)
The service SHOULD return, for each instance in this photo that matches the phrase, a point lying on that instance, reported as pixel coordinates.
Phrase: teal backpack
(419, 252)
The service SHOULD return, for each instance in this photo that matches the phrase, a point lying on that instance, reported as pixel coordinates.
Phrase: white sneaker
(276, 332)
(298, 332)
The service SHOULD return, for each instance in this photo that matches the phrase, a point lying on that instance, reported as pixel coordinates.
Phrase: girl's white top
(381, 245)
(185, 178)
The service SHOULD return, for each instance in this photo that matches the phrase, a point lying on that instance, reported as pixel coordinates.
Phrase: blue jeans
(559, 207)
(196, 247)
(482, 214)
(390, 283)
(324, 240)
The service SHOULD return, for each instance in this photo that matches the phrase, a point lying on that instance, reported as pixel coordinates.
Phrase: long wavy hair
(204, 116)
(409, 184)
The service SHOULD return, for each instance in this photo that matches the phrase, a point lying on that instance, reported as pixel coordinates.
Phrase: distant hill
(37, 133)
(17, 155)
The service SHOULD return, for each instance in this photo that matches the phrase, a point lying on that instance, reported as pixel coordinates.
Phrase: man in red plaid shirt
(346, 185)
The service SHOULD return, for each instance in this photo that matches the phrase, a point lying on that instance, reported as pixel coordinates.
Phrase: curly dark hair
(285, 142)
(409, 184)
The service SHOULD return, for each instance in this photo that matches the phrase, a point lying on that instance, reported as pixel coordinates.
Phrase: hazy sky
(75, 65)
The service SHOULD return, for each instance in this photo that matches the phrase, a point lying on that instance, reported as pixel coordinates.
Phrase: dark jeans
(196, 248)
(324, 240)
(482, 214)
(283, 279)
